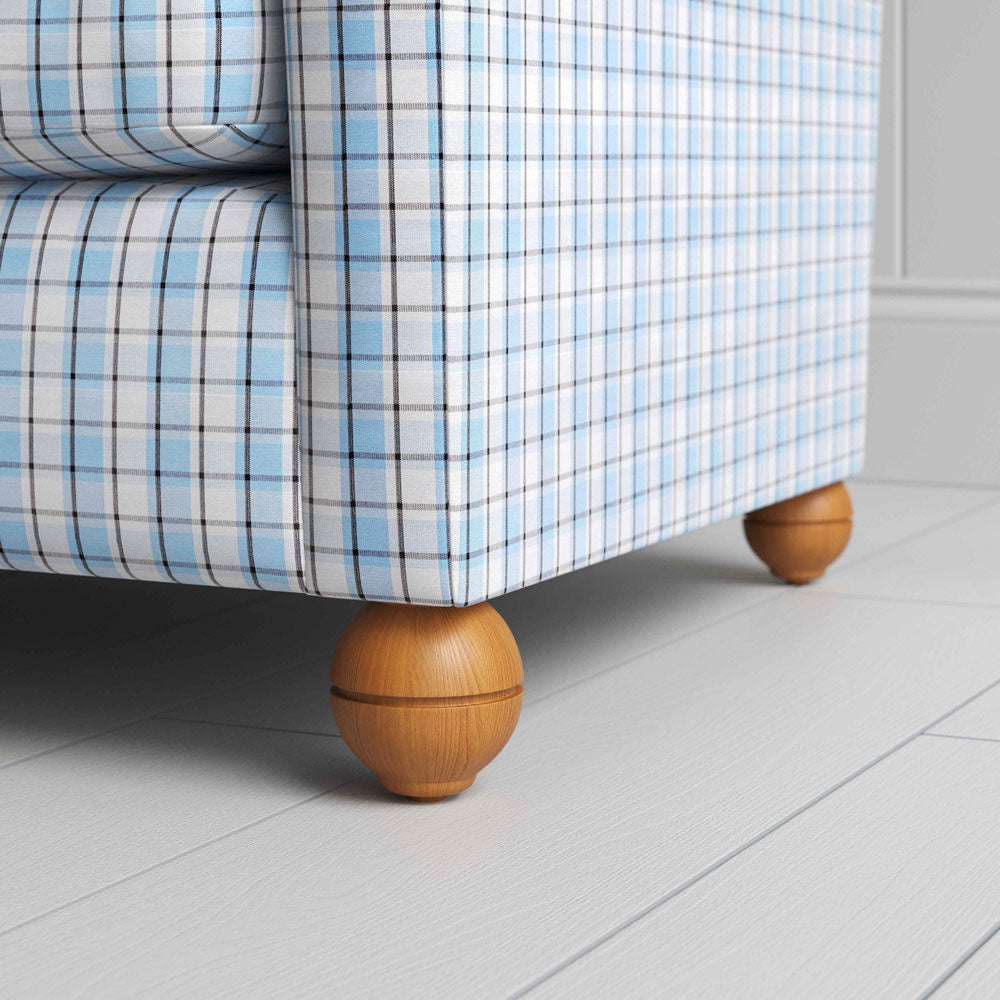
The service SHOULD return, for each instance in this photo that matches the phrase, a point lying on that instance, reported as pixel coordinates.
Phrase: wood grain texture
(426, 696)
(715, 739)
(871, 893)
(799, 538)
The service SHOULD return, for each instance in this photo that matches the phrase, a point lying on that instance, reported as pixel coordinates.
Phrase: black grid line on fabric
(202, 360)
(85, 65)
(74, 342)
(115, 472)
(467, 449)
(676, 525)
(304, 332)
(4, 230)
(158, 393)
(32, 467)
(390, 211)
(348, 331)
(125, 518)
(247, 389)
(599, 290)
(442, 236)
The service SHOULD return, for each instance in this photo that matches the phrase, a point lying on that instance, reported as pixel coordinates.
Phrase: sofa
(421, 303)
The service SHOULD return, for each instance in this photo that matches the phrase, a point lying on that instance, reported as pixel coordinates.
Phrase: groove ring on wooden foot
(799, 538)
(426, 696)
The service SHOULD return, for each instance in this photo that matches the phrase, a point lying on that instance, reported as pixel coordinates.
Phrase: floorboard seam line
(930, 529)
(245, 725)
(816, 592)
(956, 736)
(628, 661)
(942, 979)
(151, 634)
(958, 708)
(731, 855)
(298, 665)
(174, 857)
(72, 743)
(136, 720)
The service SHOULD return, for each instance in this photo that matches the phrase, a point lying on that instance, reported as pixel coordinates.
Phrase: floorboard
(869, 894)
(47, 617)
(956, 562)
(83, 818)
(49, 705)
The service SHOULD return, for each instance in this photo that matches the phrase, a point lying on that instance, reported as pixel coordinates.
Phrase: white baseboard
(935, 299)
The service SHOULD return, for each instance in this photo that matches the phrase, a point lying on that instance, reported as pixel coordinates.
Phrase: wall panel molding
(899, 123)
(938, 200)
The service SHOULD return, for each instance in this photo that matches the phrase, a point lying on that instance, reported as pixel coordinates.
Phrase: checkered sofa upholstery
(534, 285)
(94, 88)
(147, 380)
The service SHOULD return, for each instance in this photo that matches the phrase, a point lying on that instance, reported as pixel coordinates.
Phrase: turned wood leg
(426, 696)
(799, 538)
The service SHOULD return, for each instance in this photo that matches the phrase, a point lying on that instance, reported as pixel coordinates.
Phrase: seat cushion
(147, 380)
(119, 87)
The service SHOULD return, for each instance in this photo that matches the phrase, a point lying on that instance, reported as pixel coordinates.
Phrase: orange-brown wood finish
(426, 696)
(799, 538)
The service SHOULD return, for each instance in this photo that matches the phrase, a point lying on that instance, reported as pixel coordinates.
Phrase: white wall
(934, 404)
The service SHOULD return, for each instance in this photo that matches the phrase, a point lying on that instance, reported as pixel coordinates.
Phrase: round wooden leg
(799, 538)
(426, 696)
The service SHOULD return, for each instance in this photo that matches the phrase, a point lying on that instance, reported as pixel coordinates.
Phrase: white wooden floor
(720, 787)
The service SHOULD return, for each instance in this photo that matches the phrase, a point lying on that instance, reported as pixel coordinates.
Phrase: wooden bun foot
(799, 538)
(425, 696)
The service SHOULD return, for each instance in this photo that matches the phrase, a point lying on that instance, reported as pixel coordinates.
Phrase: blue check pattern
(94, 88)
(147, 380)
(537, 284)
(572, 278)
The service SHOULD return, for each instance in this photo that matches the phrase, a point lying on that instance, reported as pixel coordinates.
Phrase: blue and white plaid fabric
(572, 277)
(118, 87)
(569, 278)
(147, 380)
